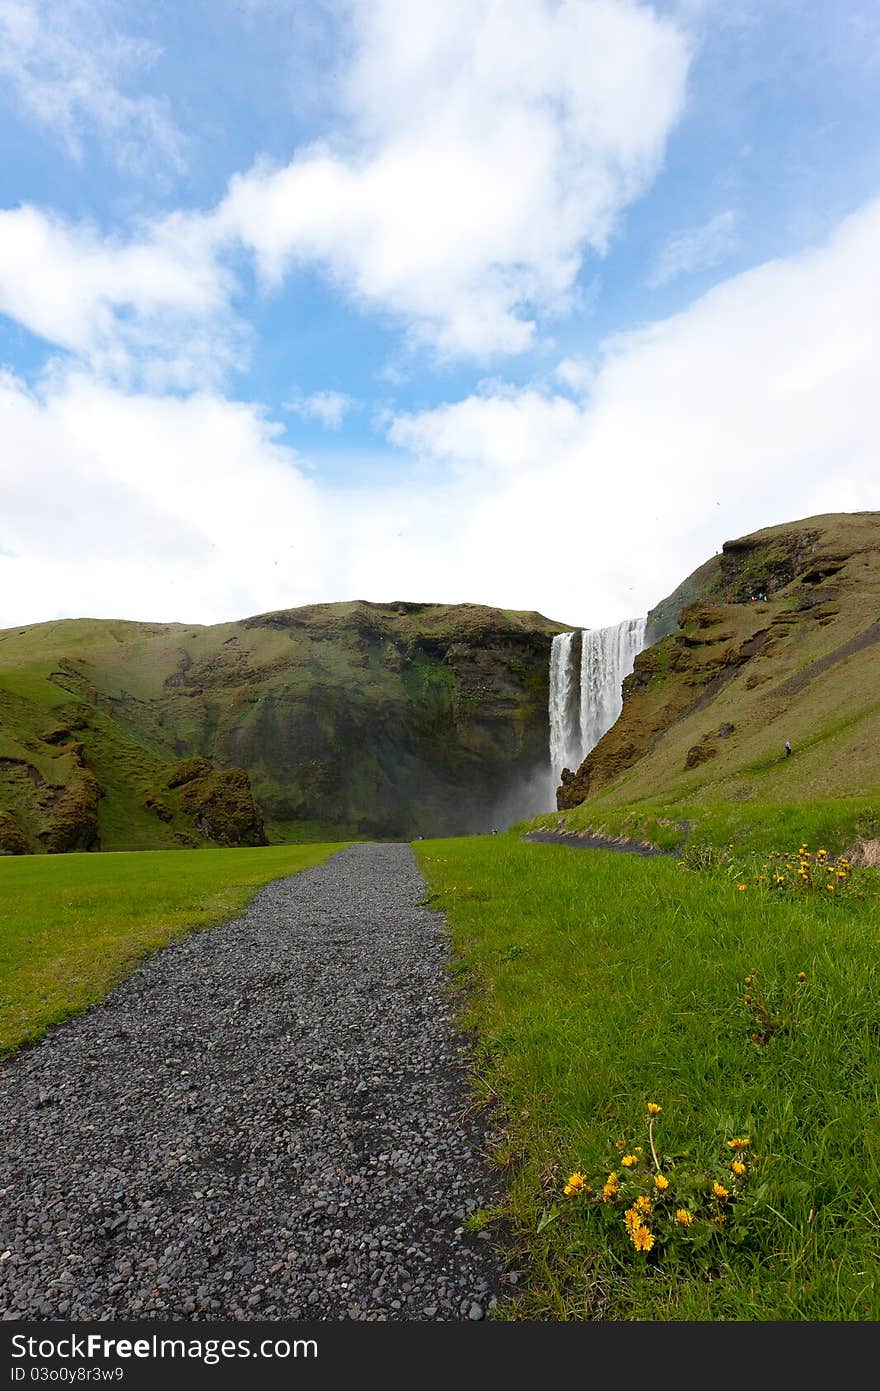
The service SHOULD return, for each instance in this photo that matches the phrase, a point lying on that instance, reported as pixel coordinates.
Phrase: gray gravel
(270, 1120)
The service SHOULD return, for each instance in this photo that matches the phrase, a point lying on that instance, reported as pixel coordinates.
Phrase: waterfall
(607, 656)
(565, 739)
(585, 697)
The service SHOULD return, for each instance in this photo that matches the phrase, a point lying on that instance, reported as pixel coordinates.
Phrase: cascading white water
(585, 695)
(564, 705)
(607, 657)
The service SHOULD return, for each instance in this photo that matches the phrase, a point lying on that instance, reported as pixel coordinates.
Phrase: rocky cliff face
(387, 720)
(776, 638)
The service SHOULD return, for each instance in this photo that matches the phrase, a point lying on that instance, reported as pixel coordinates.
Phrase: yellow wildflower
(629, 1160)
(740, 1143)
(642, 1239)
(821, 854)
(632, 1218)
(610, 1188)
(830, 888)
(683, 1217)
(643, 1204)
(741, 887)
(738, 1167)
(720, 1191)
(654, 1109)
(661, 1183)
(576, 1184)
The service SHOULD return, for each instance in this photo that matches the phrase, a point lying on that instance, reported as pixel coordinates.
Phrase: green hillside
(329, 720)
(712, 701)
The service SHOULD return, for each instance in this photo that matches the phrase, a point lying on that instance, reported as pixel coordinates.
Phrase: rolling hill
(330, 720)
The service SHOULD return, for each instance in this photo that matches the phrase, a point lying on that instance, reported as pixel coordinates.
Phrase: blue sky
(531, 304)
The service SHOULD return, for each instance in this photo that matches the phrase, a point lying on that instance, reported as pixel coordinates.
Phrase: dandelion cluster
(805, 871)
(797, 871)
(657, 1207)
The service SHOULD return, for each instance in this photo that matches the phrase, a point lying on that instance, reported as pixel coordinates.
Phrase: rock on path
(268, 1120)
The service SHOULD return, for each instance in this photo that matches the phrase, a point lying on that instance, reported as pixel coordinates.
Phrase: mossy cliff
(730, 676)
(350, 719)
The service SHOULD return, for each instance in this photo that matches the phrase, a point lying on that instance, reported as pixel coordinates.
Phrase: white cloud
(67, 64)
(576, 374)
(157, 305)
(757, 405)
(487, 147)
(500, 433)
(328, 407)
(135, 506)
(698, 248)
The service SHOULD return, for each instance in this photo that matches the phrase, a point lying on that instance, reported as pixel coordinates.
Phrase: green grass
(835, 823)
(598, 981)
(72, 926)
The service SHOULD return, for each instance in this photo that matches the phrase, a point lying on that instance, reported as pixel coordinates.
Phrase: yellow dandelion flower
(720, 1219)
(610, 1188)
(643, 1204)
(802, 975)
(683, 1217)
(741, 1142)
(632, 1218)
(748, 980)
(576, 1184)
(654, 1109)
(661, 1183)
(821, 854)
(720, 1191)
(642, 1239)
(830, 888)
(741, 887)
(738, 1167)
(629, 1160)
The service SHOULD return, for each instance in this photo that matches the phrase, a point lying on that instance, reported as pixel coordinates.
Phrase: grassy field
(836, 824)
(72, 926)
(600, 982)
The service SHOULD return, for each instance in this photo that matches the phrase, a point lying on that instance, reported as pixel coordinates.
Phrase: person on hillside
(787, 749)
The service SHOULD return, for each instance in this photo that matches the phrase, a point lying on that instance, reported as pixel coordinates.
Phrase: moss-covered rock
(13, 840)
(222, 807)
(187, 769)
(74, 823)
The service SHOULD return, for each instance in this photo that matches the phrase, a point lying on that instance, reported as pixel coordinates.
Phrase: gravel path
(269, 1120)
